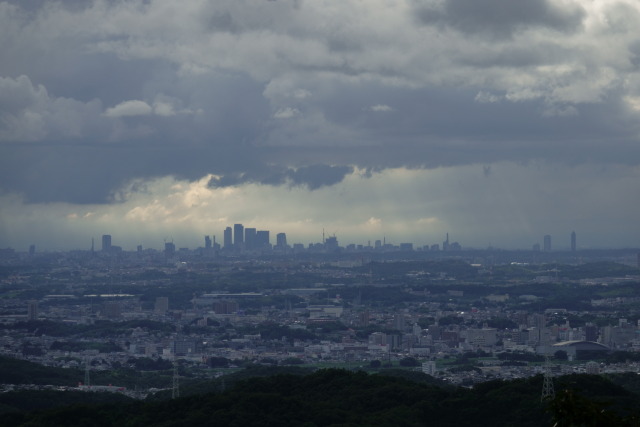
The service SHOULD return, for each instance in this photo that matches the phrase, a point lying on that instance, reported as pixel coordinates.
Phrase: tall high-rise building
(225, 307)
(547, 243)
(429, 367)
(398, 322)
(106, 242)
(331, 243)
(169, 249)
(228, 238)
(111, 309)
(262, 239)
(573, 241)
(249, 238)
(161, 305)
(32, 310)
(445, 244)
(238, 236)
(281, 240)
(207, 242)
(590, 332)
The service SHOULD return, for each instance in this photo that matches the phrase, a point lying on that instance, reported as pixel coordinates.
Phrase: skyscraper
(169, 248)
(262, 239)
(281, 240)
(207, 242)
(547, 243)
(228, 238)
(249, 238)
(445, 244)
(238, 236)
(106, 242)
(573, 241)
(161, 305)
(111, 309)
(331, 244)
(32, 310)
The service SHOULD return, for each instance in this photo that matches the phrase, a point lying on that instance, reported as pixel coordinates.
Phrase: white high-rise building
(429, 367)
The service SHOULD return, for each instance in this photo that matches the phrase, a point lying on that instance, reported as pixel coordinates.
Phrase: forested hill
(343, 398)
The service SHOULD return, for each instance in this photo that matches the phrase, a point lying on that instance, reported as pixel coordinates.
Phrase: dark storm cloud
(435, 127)
(223, 21)
(519, 56)
(430, 113)
(35, 5)
(316, 176)
(87, 154)
(313, 177)
(90, 173)
(634, 54)
(447, 120)
(425, 129)
(501, 17)
(284, 94)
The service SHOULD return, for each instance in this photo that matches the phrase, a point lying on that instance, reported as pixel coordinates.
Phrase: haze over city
(496, 121)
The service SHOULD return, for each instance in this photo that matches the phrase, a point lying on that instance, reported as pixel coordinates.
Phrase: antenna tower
(175, 389)
(87, 379)
(548, 392)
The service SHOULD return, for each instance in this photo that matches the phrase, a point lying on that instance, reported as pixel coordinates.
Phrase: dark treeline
(338, 397)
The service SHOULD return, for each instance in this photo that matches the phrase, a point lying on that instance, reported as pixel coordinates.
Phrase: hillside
(338, 397)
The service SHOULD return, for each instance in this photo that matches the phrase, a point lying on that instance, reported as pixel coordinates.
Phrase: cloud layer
(501, 207)
(298, 96)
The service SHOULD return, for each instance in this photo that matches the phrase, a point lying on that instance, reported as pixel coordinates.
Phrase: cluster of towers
(236, 239)
(240, 238)
(547, 243)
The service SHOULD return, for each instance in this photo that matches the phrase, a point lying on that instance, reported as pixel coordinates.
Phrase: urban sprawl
(464, 316)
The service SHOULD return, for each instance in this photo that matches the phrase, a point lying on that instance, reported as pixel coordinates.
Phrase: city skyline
(149, 119)
(265, 239)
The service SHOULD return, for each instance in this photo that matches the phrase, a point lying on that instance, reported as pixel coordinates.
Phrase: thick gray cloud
(317, 176)
(311, 177)
(501, 17)
(97, 94)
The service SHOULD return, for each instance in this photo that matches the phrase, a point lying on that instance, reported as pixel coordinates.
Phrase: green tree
(561, 355)
(409, 362)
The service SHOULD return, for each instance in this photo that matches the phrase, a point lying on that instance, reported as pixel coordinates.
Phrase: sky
(496, 121)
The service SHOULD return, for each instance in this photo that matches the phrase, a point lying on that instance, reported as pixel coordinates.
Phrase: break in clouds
(320, 110)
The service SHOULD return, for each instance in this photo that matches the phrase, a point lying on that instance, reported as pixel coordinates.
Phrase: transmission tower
(87, 379)
(548, 393)
(175, 390)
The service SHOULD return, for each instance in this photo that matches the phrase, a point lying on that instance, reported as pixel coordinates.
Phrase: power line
(548, 392)
(175, 389)
(87, 379)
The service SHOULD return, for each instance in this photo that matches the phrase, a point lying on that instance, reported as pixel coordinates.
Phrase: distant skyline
(127, 243)
(498, 122)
